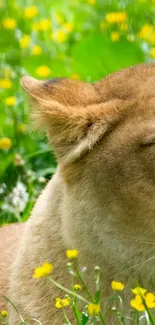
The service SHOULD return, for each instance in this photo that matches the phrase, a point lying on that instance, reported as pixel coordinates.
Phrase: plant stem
(75, 308)
(66, 318)
(84, 285)
(74, 294)
(137, 318)
(102, 319)
(21, 318)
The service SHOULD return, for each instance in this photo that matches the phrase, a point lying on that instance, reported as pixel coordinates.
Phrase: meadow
(78, 39)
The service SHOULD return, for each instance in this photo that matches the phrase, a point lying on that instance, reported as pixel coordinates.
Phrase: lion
(101, 200)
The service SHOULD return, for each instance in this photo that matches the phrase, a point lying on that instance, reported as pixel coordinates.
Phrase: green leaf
(85, 319)
(47, 171)
(97, 296)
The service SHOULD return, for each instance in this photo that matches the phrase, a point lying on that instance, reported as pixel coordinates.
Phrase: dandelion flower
(124, 27)
(62, 302)
(5, 84)
(4, 314)
(117, 286)
(44, 24)
(116, 17)
(9, 23)
(10, 101)
(146, 32)
(36, 50)
(94, 309)
(75, 76)
(152, 38)
(59, 36)
(152, 53)
(5, 143)
(31, 12)
(72, 253)
(43, 71)
(92, 2)
(68, 26)
(43, 270)
(24, 41)
(115, 36)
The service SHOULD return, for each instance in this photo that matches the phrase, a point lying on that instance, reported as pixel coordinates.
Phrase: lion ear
(32, 86)
(72, 130)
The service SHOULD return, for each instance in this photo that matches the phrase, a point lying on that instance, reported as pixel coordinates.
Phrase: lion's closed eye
(147, 143)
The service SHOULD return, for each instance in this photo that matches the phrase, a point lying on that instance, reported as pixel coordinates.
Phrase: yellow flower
(72, 253)
(36, 50)
(94, 309)
(146, 32)
(22, 127)
(124, 27)
(68, 26)
(5, 83)
(137, 303)
(44, 24)
(75, 76)
(139, 291)
(9, 23)
(43, 71)
(115, 36)
(31, 12)
(43, 270)
(10, 101)
(4, 314)
(92, 2)
(117, 286)
(59, 36)
(77, 287)
(152, 38)
(24, 41)
(62, 302)
(150, 300)
(5, 143)
(116, 17)
(152, 53)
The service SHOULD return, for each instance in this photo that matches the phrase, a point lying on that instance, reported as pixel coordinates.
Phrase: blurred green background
(79, 39)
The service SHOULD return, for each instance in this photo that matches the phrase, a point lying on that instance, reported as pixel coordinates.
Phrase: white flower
(16, 201)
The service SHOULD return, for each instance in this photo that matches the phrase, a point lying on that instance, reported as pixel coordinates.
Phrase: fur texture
(101, 200)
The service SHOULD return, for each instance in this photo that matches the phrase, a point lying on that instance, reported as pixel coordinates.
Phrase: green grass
(76, 44)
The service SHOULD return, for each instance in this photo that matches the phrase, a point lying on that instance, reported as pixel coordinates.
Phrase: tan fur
(9, 244)
(101, 200)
